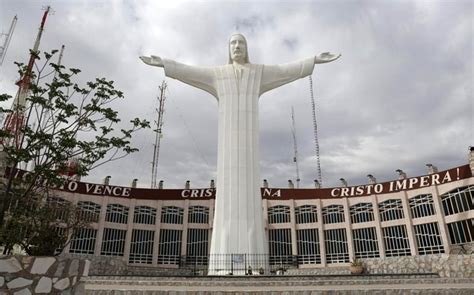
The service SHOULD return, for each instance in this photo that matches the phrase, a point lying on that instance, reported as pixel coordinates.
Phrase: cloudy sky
(400, 96)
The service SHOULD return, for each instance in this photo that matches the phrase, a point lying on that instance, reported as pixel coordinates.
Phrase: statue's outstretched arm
(153, 60)
(200, 77)
(325, 57)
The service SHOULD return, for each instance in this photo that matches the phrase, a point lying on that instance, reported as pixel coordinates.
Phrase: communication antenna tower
(158, 134)
(315, 125)
(16, 119)
(295, 157)
(4, 47)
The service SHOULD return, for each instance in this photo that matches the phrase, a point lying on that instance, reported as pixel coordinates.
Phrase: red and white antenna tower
(8, 37)
(16, 119)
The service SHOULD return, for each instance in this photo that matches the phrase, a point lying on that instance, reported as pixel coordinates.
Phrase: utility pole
(4, 48)
(158, 134)
(295, 157)
(315, 126)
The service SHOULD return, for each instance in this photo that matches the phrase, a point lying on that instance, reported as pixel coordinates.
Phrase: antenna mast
(16, 119)
(159, 124)
(3, 49)
(295, 157)
(315, 125)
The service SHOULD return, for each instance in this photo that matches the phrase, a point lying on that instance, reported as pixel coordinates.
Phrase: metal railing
(239, 264)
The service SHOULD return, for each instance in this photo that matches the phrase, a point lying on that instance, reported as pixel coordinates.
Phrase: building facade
(429, 214)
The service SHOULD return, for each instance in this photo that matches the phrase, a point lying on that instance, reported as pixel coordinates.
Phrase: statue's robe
(238, 219)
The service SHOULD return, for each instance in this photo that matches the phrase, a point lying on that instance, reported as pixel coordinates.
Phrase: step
(342, 284)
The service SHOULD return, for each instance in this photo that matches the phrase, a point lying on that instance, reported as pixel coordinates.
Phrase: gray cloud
(400, 97)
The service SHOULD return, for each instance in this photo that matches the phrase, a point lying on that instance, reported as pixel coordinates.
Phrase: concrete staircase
(334, 284)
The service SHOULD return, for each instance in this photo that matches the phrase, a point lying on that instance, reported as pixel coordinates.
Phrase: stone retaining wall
(41, 275)
(445, 265)
(116, 266)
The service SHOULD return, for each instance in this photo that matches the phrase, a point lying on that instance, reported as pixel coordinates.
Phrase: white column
(211, 222)
(156, 242)
(184, 239)
(348, 227)
(320, 227)
(265, 223)
(294, 248)
(409, 224)
(439, 213)
(74, 202)
(128, 236)
(100, 230)
(378, 226)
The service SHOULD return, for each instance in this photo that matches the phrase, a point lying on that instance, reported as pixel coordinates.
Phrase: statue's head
(238, 49)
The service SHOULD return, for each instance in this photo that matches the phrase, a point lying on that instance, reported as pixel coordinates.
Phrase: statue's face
(238, 48)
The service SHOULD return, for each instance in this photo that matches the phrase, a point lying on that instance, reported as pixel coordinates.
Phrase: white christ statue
(238, 234)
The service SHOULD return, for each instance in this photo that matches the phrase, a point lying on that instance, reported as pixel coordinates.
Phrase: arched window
(198, 214)
(333, 214)
(421, 206)
(306, 214)
(144, 215)
(279, 214)
(458, 200)
(172, 214)
(391, 210)
(362, 212)
(90, 211)
(116, 213)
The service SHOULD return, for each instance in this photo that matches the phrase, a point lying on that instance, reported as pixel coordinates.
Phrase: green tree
(61, 121)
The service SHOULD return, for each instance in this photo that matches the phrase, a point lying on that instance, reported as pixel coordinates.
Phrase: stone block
(42, 265)
(87, 265)
(18, 283)
(62, 284)
(25, 291)
(60, 269)
(44, 285)
(74, 268)
(2, 281)
(10, 265)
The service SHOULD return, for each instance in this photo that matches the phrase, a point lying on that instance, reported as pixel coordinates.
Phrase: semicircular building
(306, 228)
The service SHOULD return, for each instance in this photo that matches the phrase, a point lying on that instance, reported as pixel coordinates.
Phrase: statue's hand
(325, 57)
(152, 60)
